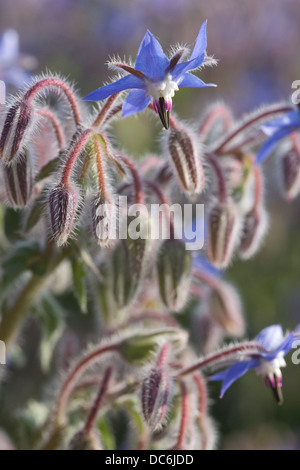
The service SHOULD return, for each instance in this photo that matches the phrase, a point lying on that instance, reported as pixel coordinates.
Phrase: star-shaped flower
(274, 346)
(277, 130)
(155, 77)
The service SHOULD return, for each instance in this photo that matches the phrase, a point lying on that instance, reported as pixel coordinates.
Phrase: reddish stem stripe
(218, 112)
(105, 111)
(222, 190)
(74, 375)
(137, 182)
(185, 412)
(222, 147)
(50, 116)
(61, 85)
(91, 419)
(74, 154)
(251, 349)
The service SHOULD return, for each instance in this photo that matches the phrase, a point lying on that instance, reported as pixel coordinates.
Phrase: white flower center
(164, 89)
(270, 368)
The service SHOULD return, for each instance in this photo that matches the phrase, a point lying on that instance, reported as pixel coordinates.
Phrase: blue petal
(183, 67)
(120, 85)
(284, 348)
(151, 59)
(202, 263)
(189, 80)
(201, 42)
(9, 46)
(135, 102)
(271, 337)
(229, 376)
(267, 148)
(290, 119)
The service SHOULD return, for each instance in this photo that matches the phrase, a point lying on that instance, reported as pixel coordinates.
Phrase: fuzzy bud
(290, 173)
(174, 274)
(63, 205)
(104, 217)
(129, 261)
(222, 233)
(226, 310)
(186, 161)
(18, 179)
(155, 396)
(255, 225)
(15, 131)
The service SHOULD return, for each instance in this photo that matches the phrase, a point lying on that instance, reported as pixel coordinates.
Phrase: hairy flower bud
(18, 179)
(129, 262)
(15, 130)
(63, 205)
(174, 274)
(104, 218)
(226, 310)
(255, 225)
(222, 233)
(186, 161)
(156, 396)
(290, 173)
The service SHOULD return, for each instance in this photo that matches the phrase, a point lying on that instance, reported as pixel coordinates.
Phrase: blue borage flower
(277, 130)
(267, 364)
(11, 61)
(155, 77)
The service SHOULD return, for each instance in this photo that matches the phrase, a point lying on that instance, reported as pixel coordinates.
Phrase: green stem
(14, 315)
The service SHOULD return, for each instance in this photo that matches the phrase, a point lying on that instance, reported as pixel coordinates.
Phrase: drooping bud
(226, 310)
(139, 347)
(186, 160)
(15, 131)
(255, 225)
(63, 206)
(290, 173)
(83, 441)
(18, 179)
(129, 263)
(156, 395)
(104, 219)
(174, 274)
(222, 233)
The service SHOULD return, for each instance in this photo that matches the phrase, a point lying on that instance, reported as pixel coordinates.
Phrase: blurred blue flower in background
(12, 62)
(277, 130)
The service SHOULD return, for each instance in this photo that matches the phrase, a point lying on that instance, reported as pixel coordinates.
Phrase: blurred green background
(257, 44)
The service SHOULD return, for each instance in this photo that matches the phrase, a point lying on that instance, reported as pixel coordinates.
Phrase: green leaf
(52, 322)
(13, 224)
(35, 213)
(47, 169)
(26, 256)
(79, 275)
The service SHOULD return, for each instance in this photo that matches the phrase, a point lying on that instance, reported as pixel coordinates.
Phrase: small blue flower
(267, 364)
(277, 130)
(155, 77)
(12, 62)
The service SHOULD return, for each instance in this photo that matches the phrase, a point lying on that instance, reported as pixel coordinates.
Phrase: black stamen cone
(277, 391)
(163, 113)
